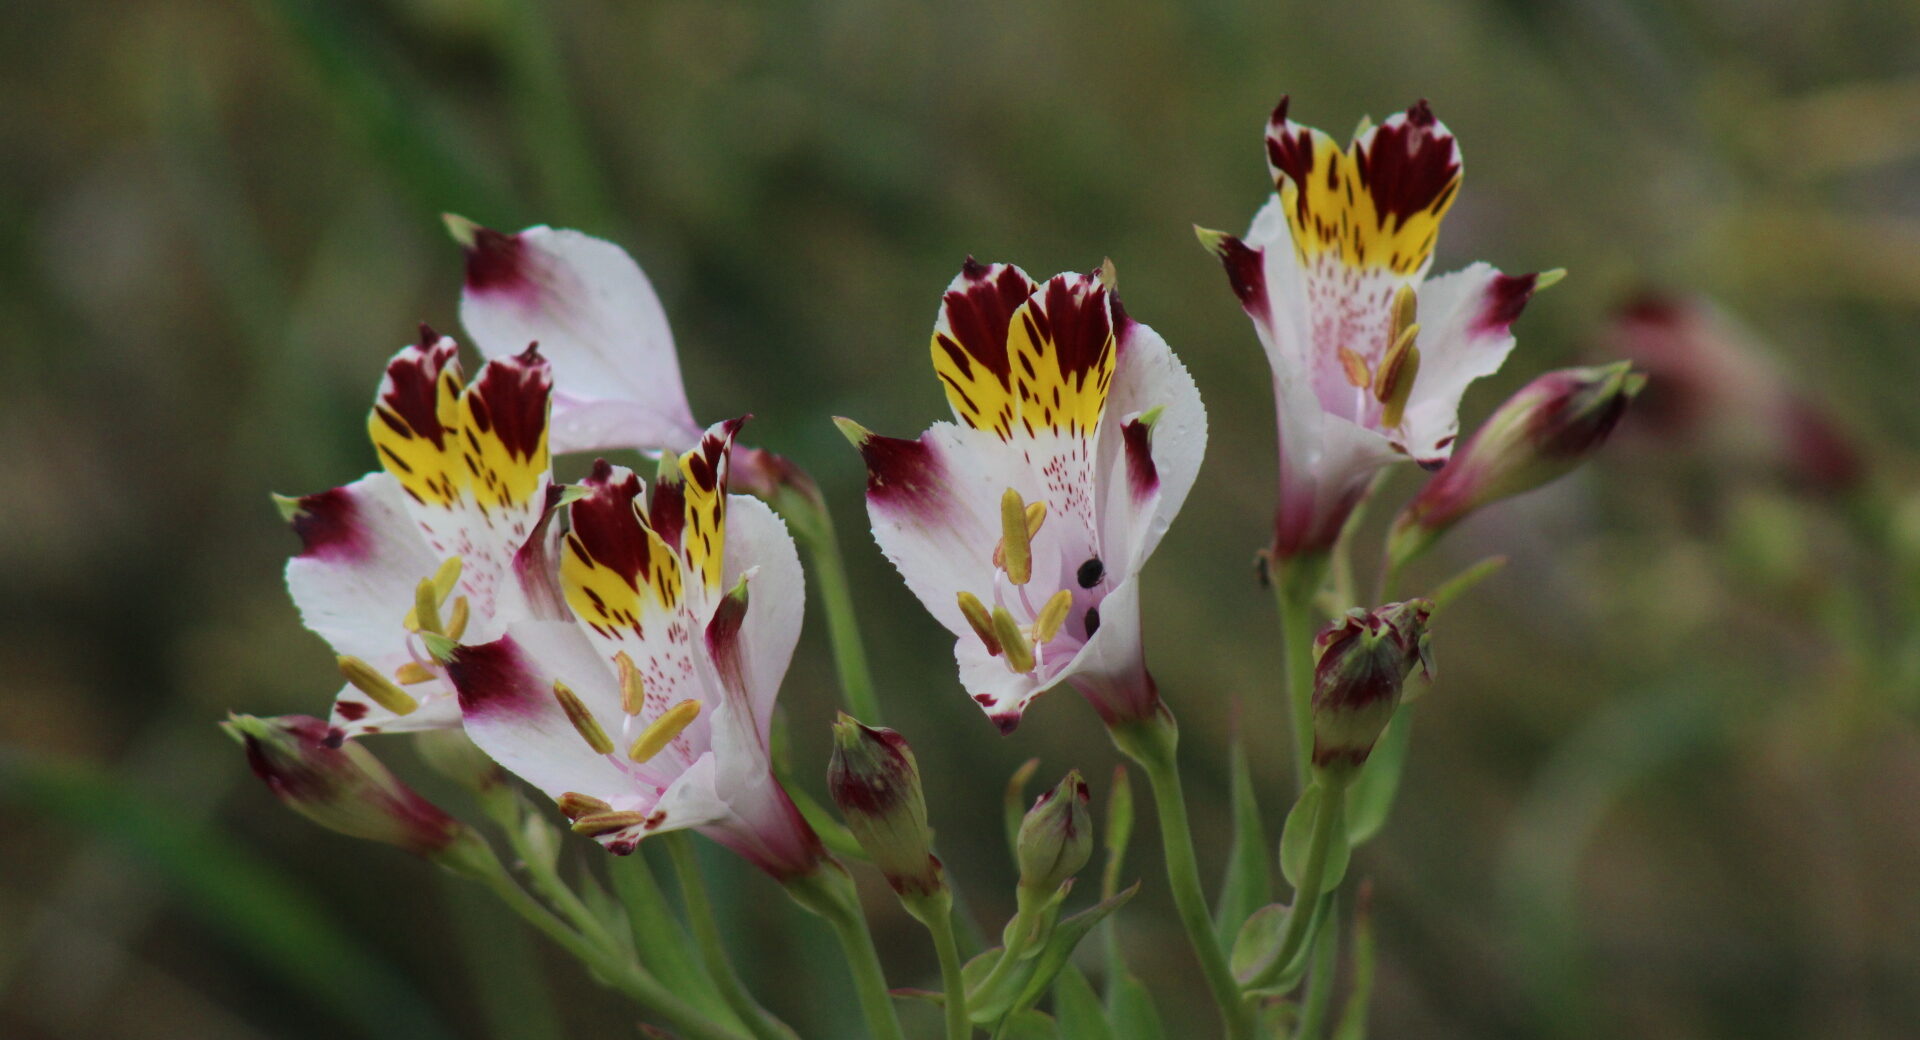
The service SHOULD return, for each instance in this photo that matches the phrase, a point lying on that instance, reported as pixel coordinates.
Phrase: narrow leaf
(1371, 795)
(1296, 839)
(1077, 1008)
(1134, 1016)
(1249, 880)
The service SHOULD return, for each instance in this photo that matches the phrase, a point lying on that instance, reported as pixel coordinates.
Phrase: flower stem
(713, 952)
(1293, 593)
(1329, 824)
(937, 914)
(1152, 743)
(619, 972)
(829, 892)
(836, 599)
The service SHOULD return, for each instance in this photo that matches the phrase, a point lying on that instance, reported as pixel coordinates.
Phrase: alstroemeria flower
(1369, 358)
(649, 710)
(1024, 528)
(596, 317)
(460, 504)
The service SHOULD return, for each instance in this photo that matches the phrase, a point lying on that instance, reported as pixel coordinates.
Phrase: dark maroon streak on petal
(408, 398)
(352, 711)
(606, 527)
(1246, 272)
(510, 401)
(723, 642)
(1289, 148)
(1506, 297)
(1142, 477)
(1409, 166)
(1006, 722)
(328, 525)
(905, 476)
(537, 569)
(494, 679)
(1075, 316)
(496, 262)
(978, 315)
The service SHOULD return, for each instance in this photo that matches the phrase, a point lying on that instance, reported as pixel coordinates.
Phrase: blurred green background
(1668, 784)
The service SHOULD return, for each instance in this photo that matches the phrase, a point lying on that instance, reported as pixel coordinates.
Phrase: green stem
(1153, 743)
(836, 600)
(1328, 822)
(713, 952)
(1293, 593)
(1318, 999)
(829, 892)
(936, 913)
(622, 974)
(546, 880)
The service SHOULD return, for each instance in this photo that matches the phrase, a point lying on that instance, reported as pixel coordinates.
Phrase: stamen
(380, 689)
(607, 822)
(574, 805)
(1013, 535)
(1355, 367)
(1036, 518)
(1052, 616)
(633, 691)
(412, 673)
(982, 622)
(446, 577)
(1397, 372)
(1406, 309)
(661, 731)
(1013, 642)
(583, 721)
(425, 616)
(457, 624)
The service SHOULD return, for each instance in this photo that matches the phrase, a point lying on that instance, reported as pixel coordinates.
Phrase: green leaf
(1026, 1025)
(1060, 945)
(1258, 943)
(1353, 1020)
(1458, 585)
(1077, 1008)
(665, 947)
(1249, 880)
(1298, 835)
(1371, 795)
(1134, 1016)
(250, 903)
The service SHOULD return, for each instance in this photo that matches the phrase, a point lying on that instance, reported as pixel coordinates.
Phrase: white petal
(597, 319)
(1465, 333)
(758, 541)
(354, 714)
(354, 580)
(1133, 517)
(506, 699)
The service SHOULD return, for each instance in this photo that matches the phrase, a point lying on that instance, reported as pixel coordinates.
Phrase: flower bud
(1361, 662)
(876, 783)
(1541, 433)
(346, 789)
(1056, 838)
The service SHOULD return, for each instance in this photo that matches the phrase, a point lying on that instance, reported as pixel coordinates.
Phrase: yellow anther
(661, 731)
(425, 615)
(1017, 545)
(633, 690)
(1406, 310)
(457, 622)
(607, 822)
(1052, 615)
(1355, 367)
(413, 673)
(1013, 642)
(583, 721)
(446, 577)
(1036, 515)
(1398, 370)
(982, 622)
(378, 688)
(574, 805)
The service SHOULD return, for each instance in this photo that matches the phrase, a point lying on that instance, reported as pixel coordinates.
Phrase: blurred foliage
(1663, 787)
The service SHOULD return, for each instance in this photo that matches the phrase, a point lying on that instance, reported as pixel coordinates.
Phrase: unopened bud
(1361, 664)
(1540, 434)
(876, 783)
(346, 789)
(1056, 837)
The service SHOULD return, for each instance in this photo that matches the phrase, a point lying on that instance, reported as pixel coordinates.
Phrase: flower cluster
(619, 642)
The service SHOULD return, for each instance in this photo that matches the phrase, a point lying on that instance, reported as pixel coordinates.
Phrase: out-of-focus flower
(449, 541)
(1540, 434)
(1056, 836)
(649, 710)
(598, 320)
(876, 783)
(1369, 358)
(1714, 386)
(1023, 528)
(1361, 664)
(346, 789)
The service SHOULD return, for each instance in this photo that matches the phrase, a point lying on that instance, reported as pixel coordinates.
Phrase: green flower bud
(1361, 663)
(1540, 434)
(1056, 837)
(876, 783)
(342, 787)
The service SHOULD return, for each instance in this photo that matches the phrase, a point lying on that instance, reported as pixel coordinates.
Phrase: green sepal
(1371, 794)
(1298, 835)
(1254, 950)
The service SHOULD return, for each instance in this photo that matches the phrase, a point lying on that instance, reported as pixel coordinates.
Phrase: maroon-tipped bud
(1056, 837)
(876, 783)
(344, 788)
(1361, 664)
(1540, 434)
